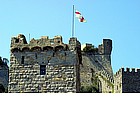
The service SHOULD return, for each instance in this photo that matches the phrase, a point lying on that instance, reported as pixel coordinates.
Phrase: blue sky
(117, 20)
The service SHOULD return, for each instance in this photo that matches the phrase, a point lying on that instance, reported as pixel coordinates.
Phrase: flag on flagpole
(79, 16)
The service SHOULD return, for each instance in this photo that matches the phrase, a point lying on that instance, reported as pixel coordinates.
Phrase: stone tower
(127, 81)
(44, 65)
(96, 73)
(106, 49)
(4, 72)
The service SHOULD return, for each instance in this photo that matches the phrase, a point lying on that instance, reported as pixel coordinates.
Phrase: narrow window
(36, 55)
(42, 69)
(22, 60)
(117, 87)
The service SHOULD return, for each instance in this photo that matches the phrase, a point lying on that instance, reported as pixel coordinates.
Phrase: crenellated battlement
(127, 71)
(119, 72)
(44, 65)
(127, 80)
(19, 43)
(49, 65)
(103, 49)
(131, 70)
(108, 77)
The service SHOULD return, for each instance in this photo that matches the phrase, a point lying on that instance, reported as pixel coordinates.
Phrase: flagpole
(73, 23)
(29, 37)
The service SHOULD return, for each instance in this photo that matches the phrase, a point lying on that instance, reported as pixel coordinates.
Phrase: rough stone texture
(4, 72)
(127, 81)
(61, 62)
(67, 67)
(118, 81)
(97, 61)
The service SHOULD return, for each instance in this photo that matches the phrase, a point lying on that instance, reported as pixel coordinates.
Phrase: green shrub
(89, 89)
(90, 49)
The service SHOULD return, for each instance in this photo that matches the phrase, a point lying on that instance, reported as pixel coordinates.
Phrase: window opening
(36, 55)
(42, 69)
(22, 60)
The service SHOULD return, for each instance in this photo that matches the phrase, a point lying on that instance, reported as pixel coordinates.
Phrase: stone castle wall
(49, 65)
(118, 81)
(44, 65)
(131, 80)
(4, 74)
(127, 81)
(62, 65)
(97, 63)
(106, 82)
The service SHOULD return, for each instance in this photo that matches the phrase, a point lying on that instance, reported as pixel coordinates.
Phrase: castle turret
(106, 49)
(44, 65)
(107, 44)
(127, 81)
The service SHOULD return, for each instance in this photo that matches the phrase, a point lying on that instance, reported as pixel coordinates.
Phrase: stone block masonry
(127, 81)
(4, 72)
(44, 65)
(49, 66)
(96, 73)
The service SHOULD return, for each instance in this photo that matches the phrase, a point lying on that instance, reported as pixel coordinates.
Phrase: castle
(48, 65)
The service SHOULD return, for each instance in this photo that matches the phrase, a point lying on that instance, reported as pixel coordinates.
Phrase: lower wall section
(131, 82)
(27, 78)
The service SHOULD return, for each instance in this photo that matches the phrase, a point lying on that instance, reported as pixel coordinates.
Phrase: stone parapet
(44, 65)
(42, 44)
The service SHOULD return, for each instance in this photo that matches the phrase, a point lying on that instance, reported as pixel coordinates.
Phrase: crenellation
(46, 63)
(138, 70)
(122, 69)
(119, 72)
(45, 37)
(101, 75)
(127, 70)
(49, 65)
(133, 70)
(44, 43)
(108, 77)
(128, 80)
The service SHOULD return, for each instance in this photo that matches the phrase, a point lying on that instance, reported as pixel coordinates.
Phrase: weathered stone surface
(4, 71)
(60, 66)
(127, 81)
(97, 67)
(63, 70)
